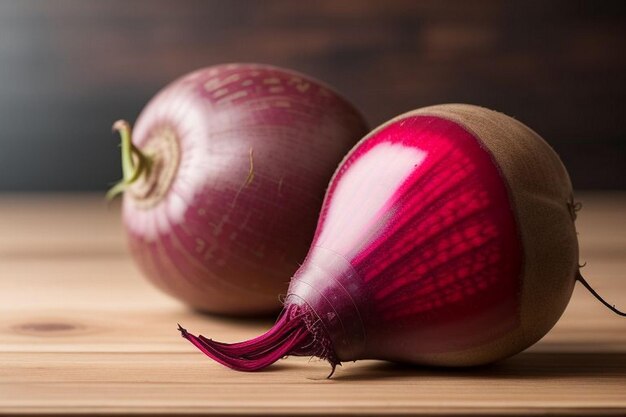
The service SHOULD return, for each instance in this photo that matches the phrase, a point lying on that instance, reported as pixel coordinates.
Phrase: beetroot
(446, 238)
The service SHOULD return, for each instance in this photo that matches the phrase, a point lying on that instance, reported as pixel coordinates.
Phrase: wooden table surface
(82, 332)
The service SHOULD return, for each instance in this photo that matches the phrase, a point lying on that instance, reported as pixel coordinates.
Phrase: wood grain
(81, 332)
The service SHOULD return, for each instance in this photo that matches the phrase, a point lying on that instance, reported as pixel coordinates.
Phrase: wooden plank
(52, 225)
(84, 333)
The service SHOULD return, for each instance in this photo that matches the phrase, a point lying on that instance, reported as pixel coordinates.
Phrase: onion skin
(446, 238)
(241, 156)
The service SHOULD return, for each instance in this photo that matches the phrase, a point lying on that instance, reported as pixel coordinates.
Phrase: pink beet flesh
(416, 253)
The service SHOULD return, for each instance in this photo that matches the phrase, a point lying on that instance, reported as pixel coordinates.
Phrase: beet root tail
(295, 333)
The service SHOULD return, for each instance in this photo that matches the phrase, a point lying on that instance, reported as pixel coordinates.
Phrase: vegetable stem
(134, 162)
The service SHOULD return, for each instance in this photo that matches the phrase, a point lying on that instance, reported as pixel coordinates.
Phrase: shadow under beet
(530, 365)
(265, 320)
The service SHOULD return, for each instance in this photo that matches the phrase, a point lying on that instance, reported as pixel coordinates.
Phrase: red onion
(446, 238)
(224, 178)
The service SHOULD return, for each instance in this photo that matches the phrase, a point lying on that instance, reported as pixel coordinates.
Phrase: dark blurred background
(69, 68)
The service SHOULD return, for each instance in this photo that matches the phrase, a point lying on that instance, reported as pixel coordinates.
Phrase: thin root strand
(593, 292)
